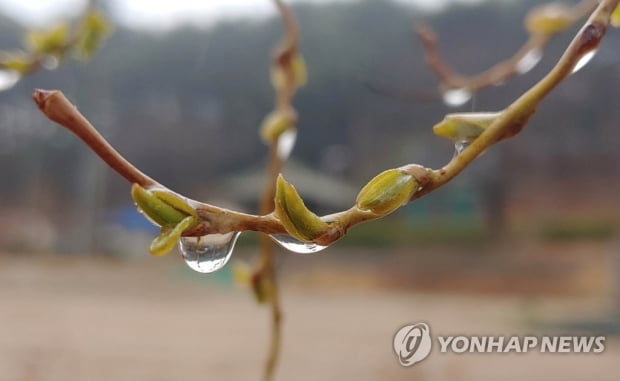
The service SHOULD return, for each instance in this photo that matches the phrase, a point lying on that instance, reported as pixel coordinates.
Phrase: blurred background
(524, 241)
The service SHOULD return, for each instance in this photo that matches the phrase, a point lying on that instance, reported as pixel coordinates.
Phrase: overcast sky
(158, 14)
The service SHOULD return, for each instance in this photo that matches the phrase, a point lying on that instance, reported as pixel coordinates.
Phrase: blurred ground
(69, 318)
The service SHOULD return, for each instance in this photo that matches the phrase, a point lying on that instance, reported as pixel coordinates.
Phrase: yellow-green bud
(296, 218)
(165, 241)
(615, 17)
(388, 191)
(94, 30)
(464, 126)
(548, 19)
(165, 209)
(300, 71)
(48, 42)
(275, 123)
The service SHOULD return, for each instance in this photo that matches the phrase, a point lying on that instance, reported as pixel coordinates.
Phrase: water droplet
(8, 79)
(459, 146)
(456, 97)
(286, 142)
(529, 61)
(50, 63)
(295, 245)
(208, 253)
(583, 61)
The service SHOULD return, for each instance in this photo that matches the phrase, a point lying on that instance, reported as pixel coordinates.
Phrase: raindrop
(50, 63)
(456, 97)
(583, 61)
(529, 61)
(459, 146)
(8, 79)
(286, 142)
(296, 246)
(208, 253)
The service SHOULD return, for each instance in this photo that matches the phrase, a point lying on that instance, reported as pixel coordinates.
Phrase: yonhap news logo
(413, 343)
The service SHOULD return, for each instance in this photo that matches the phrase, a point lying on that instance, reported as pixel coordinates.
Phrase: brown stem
(500, 72)
(218, 220)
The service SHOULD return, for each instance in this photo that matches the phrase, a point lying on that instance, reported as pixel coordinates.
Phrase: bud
(464, 126)
(262, 288)
(242, 274)
(16, 61)
(549, 19)
(296, 218)
(615, 17)
(386, 192)
(94, 29)
(48, 42)
(300, 71)
(163, 208)
(165, 241)
(275, 123)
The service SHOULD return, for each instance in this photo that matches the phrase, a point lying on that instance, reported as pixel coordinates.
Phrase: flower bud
(464, 126)
(386, 192)
(548, 19)
(296, 218)
(615, 17)
(163, 208)
(275, 123)
(165, 241)
(48, 42)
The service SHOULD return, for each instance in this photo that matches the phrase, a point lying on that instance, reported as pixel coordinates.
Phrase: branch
(82, 40)
(384, 193)
(543, 23)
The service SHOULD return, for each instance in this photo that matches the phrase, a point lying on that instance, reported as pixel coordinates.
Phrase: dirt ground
(93, 319)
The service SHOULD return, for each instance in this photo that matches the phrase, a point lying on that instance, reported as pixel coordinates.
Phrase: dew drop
(583, 61)
(208, 253)
(456, 97)
(529, 61)
(8, 79)
(50, 63)
(286, 142)
(459, 146)
(295, 245)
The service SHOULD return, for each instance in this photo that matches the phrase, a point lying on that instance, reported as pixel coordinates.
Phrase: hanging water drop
(8, 79)
(456, 97)
(286, 142)
(295, 245)
(50, 62)
(583, 61)
(208, 253)
(459, 146)
(529, 61)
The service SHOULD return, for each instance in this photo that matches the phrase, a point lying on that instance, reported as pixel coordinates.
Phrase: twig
(219, 220)
(499, 73)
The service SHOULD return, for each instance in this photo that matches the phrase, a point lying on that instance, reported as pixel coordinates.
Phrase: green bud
(275, 123)
(17, 62)
(242, 273)
(94, 30)
(296, 218)
(165, 210)
(615, 17)
(464, 126)
(387, 192)
(298, 68)
(165, 241)
(262, 288)
(548, 19)
(48, 42)
(300, 71)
